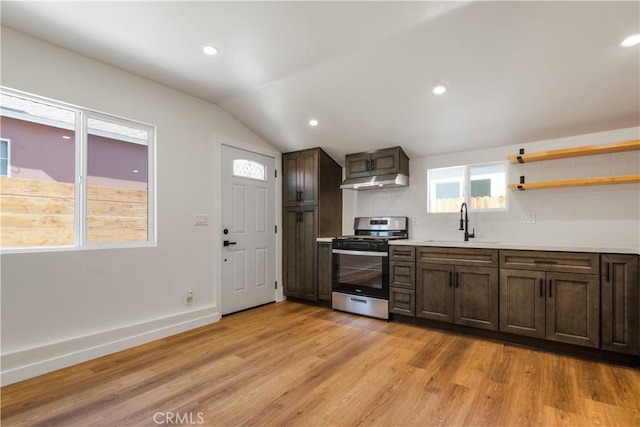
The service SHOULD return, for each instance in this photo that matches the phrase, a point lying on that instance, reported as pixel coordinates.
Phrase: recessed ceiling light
(439, 90)
(631, 41)
(135, 171)
(313, 122)
(66, 137)
(210, 50)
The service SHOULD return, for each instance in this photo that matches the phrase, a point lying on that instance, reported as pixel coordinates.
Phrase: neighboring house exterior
(47, 153)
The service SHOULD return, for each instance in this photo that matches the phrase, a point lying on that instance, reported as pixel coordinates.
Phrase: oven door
(361, 273)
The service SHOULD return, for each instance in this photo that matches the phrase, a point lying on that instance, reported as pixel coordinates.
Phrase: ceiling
(515, 71)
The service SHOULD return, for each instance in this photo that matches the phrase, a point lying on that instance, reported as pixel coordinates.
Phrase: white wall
(599, 216)
(60, 308)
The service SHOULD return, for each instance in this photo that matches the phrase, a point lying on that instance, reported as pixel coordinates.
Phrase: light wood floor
(290, 364)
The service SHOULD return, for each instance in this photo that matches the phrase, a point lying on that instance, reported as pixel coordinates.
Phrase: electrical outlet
(188, 299)
(415, 220)
(529, 218)
(200, 219)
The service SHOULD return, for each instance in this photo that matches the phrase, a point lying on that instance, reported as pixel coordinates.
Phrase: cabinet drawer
(402, 301)
(402, 274)
(566, 262)
(402, 253)
(458, 256)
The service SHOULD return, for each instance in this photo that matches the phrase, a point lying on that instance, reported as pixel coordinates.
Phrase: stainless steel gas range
(361, 265)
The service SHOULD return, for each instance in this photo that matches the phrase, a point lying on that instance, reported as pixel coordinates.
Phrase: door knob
(228, 243)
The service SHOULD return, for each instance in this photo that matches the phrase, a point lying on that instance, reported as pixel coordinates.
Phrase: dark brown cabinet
(620, 304)
(324, 271)
(379, 162)
(312, 208)
(402, 269)
(458, 285)
(546, 298)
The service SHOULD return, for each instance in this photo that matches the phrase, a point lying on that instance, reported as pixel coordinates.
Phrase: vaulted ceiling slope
(515, 71)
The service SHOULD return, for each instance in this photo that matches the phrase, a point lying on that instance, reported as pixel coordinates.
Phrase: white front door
(248, 223)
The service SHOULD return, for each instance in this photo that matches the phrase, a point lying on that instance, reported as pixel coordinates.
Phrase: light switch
(200, 219)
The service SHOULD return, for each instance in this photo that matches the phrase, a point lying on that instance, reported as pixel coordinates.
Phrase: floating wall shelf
(591, 150)
(576, 182)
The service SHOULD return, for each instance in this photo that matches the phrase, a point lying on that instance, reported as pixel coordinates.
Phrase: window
(46, 202)
(5, 158)
(249, 169)
(483, 187)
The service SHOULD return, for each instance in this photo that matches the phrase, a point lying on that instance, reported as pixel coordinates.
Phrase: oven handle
(363, 253)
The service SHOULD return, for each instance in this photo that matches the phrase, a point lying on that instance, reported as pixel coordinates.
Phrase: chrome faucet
(464, 223)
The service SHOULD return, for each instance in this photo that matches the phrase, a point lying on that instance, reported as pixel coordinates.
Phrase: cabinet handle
(301, 195)
(608, 270)
(550, 288)
(367, 165)
(450, 279)
(373, 164)
(541, 288)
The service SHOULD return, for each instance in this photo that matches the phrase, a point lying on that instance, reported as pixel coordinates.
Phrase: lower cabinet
(465, 295)
(402, 274)
(620, 303)
(324, 271)
(556, 306)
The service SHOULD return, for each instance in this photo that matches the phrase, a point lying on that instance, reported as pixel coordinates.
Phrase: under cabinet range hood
(376, 169)
(378, 181)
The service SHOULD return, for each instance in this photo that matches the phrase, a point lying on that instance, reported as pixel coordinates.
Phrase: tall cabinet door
(290, 245)
(573, 308)
(290, 174)
(434, 291)
(620, 310)
(476, 297)
(522, 302)
(307, 166)
(307, 253)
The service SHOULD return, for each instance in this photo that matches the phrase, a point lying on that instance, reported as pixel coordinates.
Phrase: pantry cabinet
(312, 208)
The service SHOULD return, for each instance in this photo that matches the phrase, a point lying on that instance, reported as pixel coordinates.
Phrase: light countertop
(325, 239)
(517, 246)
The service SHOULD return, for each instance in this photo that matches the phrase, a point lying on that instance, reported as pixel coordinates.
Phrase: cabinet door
(307, 254)
(290, 223)
(308, 177)
(324, 271)
(522, 301)
(290, 174)
(402, 274)
(620, 310)
(357, 165)
(476, 297)
(434, 291)
(299, 253)
(402, 301)
(573, 308)
(385, 161)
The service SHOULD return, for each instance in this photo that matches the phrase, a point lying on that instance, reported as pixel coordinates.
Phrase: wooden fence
(41, 213)
(484, 202)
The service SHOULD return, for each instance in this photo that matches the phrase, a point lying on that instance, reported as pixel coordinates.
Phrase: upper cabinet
(300, 176)
(379, 162)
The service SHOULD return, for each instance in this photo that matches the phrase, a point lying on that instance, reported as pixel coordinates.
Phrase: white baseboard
(24, 364)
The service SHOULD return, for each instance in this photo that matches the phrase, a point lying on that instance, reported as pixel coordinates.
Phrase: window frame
(8, 141)
(466, 187)
(80, 187)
